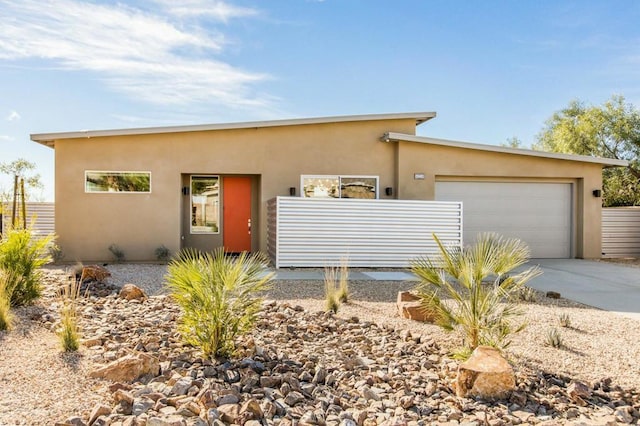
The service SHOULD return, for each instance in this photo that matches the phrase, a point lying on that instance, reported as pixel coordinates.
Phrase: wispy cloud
(13, 116)
(6, 138)
(146, 54)
(219, 10)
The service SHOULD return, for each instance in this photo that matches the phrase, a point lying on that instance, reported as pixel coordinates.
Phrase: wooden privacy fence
(315, 232)
(621, 232)
(40, 215)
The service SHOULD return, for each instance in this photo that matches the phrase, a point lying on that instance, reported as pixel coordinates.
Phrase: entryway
(218, 211)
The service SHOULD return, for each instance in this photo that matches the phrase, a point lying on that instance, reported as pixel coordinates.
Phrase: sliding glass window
(99, 181)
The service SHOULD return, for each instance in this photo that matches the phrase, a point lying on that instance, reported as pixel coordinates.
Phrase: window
(340, 186)
(96, 181)
(205, 204)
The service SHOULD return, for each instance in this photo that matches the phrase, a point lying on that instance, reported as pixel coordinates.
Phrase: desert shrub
(331, 300)
(527, 294)
(219, 296)
(21, 256)
(69, 330)
(55, 253)
(6, 316)
(162, 253)
(553, 338)
(343, 282)
(479, 289)
(564, 320)
(118, 254)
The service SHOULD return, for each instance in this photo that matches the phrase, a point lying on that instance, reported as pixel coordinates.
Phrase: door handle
(249, 226)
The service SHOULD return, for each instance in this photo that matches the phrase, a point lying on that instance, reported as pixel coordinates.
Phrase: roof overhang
(608, 162)
(49, 139)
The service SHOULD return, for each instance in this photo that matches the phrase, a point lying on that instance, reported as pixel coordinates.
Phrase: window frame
(191, 231)
(115, 172)
(340, 177)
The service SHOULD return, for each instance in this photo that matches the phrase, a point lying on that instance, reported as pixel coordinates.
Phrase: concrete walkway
(602, 285)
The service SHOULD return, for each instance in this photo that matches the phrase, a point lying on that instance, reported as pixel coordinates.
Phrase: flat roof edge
(392, 136)
(49, 138)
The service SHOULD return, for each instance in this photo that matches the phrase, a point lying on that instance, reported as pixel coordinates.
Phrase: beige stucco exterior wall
(444, 163)
(87, 223)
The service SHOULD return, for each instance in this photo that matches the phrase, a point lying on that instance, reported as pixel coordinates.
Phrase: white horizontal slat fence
(620, 232)
(313, 232)
(39, 214)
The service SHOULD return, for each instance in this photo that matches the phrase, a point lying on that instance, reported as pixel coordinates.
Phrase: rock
(623, 415)
(166, 421)
(553, 295)
(75, 421)
(293, 398)
(92, 273)
(229, 413)
(128, 368)
(409, 307)
(98, 410)
(578, 392)
(251, 410)
(132, 292)
(486, 374)
(181, 387)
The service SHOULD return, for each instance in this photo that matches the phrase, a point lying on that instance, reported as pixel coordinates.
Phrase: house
(207, 186)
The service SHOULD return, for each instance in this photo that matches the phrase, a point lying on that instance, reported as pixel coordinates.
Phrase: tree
(611, 130)
(513, 142)
(23, 169)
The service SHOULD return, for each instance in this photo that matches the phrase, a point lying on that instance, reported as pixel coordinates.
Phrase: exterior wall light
(388, 191)
(292, 191)
(597, 193)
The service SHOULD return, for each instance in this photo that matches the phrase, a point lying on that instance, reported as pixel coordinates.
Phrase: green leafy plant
(331, 299)
(218, 295)
(6, 316)
(55, 253)
(21, 256)
(564, 320)
(117, 253)
(162, 253)
(554, 338)
(471, 290)
(69, 331)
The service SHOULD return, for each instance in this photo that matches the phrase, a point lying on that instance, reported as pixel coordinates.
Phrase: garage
(539, 213)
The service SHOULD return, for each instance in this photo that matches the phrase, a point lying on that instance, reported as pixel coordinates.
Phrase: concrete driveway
(602, 285)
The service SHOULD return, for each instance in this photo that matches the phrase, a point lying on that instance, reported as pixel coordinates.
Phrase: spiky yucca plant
(22, 255)
(219, 296)
(483, 311)
(331, 299)
(69, 331)
(6, 316)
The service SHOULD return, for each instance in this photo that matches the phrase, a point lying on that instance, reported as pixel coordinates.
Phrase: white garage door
(537, 213)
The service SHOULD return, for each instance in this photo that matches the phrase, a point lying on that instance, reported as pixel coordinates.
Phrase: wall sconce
(292, 191)
(388, 191)
(597, 193)
(185, 190)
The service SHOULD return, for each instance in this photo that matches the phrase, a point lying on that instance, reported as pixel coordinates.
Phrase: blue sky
(490, 69)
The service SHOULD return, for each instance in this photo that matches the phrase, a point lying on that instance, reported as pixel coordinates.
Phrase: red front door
(236, 205)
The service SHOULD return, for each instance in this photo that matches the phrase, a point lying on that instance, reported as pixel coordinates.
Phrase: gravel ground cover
(40, 385)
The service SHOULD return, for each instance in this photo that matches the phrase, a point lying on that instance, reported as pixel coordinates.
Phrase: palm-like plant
(219, 296)
(476, 279)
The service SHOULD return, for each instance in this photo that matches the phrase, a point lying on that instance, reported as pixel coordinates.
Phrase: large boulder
(486, 374)
(409, 307)
(128, 368)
